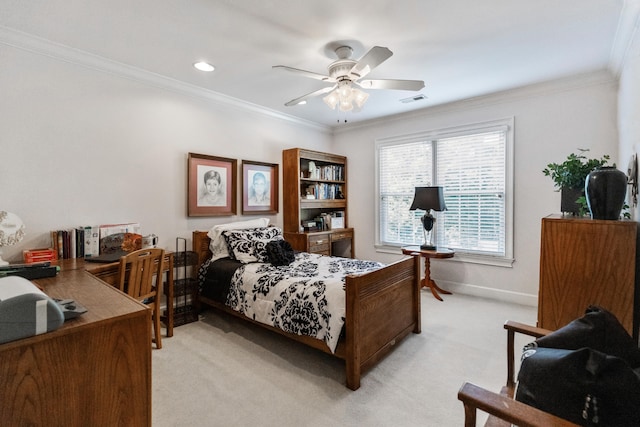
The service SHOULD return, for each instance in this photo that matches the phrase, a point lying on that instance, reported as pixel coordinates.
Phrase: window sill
(460, 257)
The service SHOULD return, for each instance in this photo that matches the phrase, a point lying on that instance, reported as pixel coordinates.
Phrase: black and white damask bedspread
(306, 297)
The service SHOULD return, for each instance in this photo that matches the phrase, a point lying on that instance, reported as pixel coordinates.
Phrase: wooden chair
(503, 410)
(136, 278)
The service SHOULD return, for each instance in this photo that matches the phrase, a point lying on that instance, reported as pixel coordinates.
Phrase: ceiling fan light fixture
(331, 100)
(346, 105)
(359, 97)
(344, 91)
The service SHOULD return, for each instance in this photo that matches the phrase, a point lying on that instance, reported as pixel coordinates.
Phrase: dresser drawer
(319, 244)
(341, 235)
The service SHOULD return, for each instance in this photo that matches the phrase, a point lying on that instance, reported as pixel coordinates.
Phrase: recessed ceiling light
(302, 103)
(204, 66)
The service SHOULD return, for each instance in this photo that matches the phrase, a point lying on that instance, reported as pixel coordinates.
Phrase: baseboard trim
(490, 293)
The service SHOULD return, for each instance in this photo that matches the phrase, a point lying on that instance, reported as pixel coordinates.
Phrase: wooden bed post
(352, 326)
(417, 306)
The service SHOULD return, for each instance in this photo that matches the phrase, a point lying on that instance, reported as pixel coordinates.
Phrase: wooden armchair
(503, 410)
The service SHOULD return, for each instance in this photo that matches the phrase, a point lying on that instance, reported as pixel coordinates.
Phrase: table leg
(428, 282)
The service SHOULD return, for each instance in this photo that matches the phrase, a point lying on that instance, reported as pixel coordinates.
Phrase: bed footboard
(382, 307)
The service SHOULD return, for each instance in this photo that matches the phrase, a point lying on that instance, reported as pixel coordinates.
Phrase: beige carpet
(221, 371)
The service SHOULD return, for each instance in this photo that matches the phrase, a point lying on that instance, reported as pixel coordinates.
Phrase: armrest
(474, 397)
(513, 328)
(521, 328)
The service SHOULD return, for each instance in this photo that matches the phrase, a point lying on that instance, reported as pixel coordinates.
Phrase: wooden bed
(382, 307)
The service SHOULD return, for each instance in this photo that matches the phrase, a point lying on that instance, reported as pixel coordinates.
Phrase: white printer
(25, 310)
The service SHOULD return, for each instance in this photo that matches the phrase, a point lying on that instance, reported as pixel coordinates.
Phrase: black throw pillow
(280, 252)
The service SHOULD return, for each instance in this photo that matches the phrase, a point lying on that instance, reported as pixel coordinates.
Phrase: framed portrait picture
(211, 185)
(259, 188)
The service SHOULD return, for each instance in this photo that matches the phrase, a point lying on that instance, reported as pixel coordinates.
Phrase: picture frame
(211, 185)
(263, 177)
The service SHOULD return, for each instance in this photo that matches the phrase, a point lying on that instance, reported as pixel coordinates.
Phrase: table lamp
(11, 231)
(428, 198)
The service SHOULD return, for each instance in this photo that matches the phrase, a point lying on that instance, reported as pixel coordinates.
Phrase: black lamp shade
(427, 198)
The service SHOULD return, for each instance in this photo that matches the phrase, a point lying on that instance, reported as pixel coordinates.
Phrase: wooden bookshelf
(315, 183)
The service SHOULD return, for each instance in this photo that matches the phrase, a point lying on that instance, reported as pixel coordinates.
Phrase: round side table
(427, 281)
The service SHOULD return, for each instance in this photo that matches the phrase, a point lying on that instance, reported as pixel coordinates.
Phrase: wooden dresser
(94, 370)
(583, 262)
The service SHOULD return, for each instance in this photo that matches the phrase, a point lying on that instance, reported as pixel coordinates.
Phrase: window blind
(472, 170)
(471, 165)
(402, 167)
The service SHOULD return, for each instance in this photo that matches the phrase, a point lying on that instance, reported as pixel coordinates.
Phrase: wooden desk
(109, 273)
(93, 370)
(427, 255)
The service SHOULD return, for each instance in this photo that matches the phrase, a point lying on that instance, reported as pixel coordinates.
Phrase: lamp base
(428, 247)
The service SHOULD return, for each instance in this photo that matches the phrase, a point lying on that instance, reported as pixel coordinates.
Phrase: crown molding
(626, 34)
(40, 46)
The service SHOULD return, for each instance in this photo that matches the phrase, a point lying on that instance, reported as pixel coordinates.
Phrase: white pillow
(218, 244)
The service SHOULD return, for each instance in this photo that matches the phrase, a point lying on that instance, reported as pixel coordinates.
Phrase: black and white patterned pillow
(251, 245)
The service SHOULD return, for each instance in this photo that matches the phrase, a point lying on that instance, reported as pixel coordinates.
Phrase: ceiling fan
(345, 72)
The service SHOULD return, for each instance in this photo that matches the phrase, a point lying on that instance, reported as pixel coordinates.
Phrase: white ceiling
(460, 48)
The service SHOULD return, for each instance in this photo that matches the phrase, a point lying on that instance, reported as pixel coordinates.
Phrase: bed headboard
(201, 246)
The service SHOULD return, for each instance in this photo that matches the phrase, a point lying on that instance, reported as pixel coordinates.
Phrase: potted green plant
(569, 176)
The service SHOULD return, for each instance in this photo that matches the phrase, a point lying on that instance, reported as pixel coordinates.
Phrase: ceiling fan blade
(305, 73)
(310, 95)
(392, 84)
(376, 56)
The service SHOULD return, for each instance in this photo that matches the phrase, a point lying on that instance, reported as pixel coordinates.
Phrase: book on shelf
(323, 191)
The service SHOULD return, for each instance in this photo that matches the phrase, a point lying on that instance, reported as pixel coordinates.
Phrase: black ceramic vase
(605, 189)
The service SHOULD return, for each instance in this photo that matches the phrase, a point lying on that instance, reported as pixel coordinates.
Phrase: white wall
(81, 146)
(551, 121)
(629, 111)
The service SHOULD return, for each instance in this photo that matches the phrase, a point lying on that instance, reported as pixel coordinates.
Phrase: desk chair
(136, 278)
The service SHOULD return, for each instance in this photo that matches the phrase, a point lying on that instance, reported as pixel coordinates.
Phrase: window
(474, 165)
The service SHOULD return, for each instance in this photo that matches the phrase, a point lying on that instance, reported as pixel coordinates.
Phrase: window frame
(506, 124)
